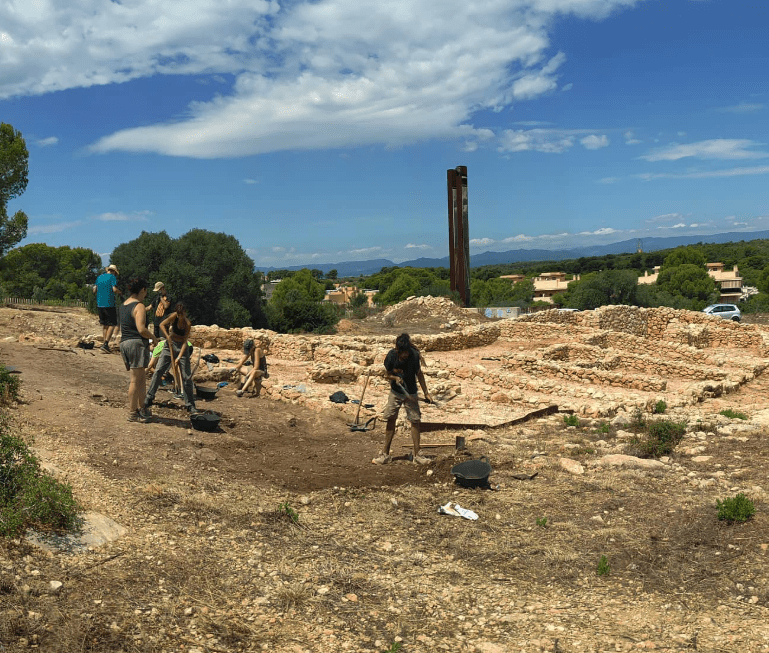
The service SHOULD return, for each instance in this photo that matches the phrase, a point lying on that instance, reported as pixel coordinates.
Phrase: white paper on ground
(448, 510)
(464, 512)
(457, 511)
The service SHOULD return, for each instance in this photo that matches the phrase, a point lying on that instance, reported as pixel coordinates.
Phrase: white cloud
(718, 148)
(47, 142)
(307, 74)
(366, 251)
(742, 108)
(548, 140)
(481, 242)
(412, 246)
(520, 238)
(707, 174)
(630, 138)
(53, 228)
(608, 180)
(665, 217)
(567, 87)
(123, 217)
(250, 181)
(551, 141)
(594, 142)
(680, 225)
(603, 231)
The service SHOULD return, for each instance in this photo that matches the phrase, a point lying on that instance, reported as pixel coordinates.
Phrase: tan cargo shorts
(394, 403)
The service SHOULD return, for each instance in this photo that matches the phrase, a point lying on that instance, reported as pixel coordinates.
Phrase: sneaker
(239, 393)
(382, 459)
(192, 410)
(105, 348)
(145, 413)
(419, 459)
(178, 395)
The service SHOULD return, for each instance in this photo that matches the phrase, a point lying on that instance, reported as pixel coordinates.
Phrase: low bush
(660, 439)
(736, 509)
(9, 386)
(571, 420)
(731, 414)
(30, 496)
(660, 407)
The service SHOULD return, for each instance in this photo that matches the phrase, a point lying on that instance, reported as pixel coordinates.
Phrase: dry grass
(219, 574)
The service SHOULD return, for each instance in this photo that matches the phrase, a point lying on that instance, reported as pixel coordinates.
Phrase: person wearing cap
(105, 290)
(161, 302)
(252, 378)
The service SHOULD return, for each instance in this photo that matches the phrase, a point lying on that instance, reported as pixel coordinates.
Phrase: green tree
(296, 306)
(14, 171)
(302, 285)
(690, 281)
(332, 274)
(601, 289)
(209, 272)
(58, 272)
(685, 255)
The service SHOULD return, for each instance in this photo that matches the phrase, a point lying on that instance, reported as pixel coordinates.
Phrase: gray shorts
(394, 403)
(135, 353)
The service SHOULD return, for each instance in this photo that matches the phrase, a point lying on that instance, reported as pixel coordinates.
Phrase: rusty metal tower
(459, 233)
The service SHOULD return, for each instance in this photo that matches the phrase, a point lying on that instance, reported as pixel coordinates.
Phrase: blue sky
(320, 132)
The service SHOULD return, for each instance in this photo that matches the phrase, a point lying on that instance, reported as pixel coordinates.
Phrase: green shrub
(660, 407)
(29, 496)
(733, 414)
(603, 568)
(289, 512)
(571, 420)
(739, 508)
(9, 385)
(662, 437)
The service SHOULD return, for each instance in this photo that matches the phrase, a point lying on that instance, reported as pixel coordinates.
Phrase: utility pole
(459, 233)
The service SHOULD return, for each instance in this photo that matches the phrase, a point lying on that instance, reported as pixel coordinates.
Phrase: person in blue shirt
(105, 291)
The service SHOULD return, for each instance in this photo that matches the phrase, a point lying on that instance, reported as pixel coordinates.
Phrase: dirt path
(213, 560)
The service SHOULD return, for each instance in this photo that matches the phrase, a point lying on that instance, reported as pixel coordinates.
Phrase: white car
(726, 311)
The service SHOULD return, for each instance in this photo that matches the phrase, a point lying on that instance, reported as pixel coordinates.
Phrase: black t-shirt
(409, 368)
(157, 319)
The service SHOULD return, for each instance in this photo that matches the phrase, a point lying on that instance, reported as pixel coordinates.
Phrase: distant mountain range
(365, 268)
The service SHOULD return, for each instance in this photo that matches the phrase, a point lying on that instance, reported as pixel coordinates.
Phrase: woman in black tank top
(134, 347)
(176, 328)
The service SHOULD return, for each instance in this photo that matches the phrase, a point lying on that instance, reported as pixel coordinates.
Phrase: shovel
(357, 413)
(363, 427)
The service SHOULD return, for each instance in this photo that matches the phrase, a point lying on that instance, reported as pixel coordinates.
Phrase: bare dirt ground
(213, 560)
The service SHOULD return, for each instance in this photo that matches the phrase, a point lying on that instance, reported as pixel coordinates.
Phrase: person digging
(403, 369)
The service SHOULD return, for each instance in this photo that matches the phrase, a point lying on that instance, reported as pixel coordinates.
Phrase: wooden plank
(427, 427)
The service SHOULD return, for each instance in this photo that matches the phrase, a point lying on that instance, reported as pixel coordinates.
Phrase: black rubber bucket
(472, 473)
(207, 421)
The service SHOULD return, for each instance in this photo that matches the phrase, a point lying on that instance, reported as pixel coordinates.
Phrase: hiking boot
(139, 416)
(105, 348)
(382, 459)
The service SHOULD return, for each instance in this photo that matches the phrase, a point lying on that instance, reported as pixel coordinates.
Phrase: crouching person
(253, 379)
(176, 355)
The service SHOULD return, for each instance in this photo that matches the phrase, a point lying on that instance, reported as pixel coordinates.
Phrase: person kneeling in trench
(403, 369)
(253, 379)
